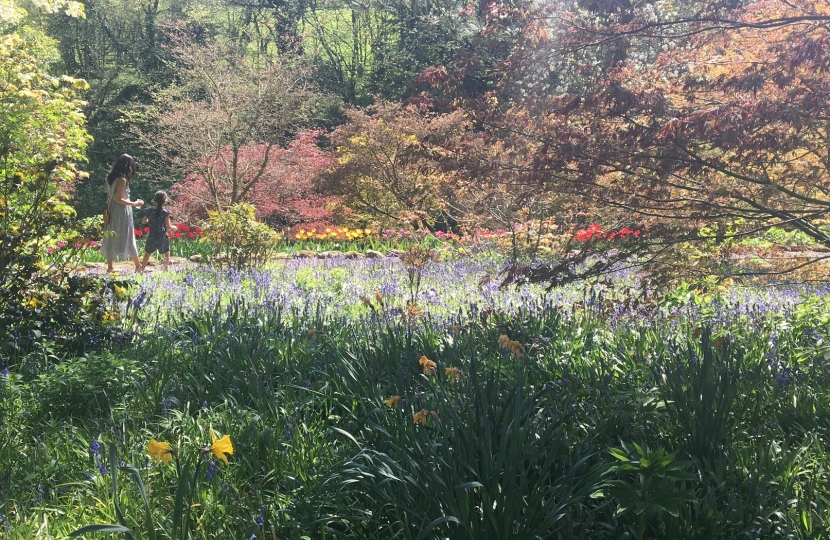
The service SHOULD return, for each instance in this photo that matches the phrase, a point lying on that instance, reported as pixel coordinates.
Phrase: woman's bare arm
(120, 197)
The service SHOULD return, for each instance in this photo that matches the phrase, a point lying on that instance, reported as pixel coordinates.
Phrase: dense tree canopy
(701, 126)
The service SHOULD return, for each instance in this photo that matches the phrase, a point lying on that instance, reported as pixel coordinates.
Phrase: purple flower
(95, 449)
(211, 470)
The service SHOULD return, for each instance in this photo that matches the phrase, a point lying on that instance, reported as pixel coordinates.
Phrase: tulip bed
(344, 409)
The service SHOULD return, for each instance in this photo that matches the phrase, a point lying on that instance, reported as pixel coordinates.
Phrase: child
(159, 221)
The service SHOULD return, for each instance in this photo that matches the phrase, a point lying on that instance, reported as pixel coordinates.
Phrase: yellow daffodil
(454, 373)
(393, 401)
(221, 446)
(429, 365)
(159, 451)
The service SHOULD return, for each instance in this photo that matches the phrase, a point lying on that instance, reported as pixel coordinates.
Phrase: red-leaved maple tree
(698, 125)
(282, 190)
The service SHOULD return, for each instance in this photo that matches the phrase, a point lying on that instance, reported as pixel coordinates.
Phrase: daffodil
(429, 365)
(454, 373)
(393, 401)
(159, 451)
(221, 446)
(516, 348)
(421, 417)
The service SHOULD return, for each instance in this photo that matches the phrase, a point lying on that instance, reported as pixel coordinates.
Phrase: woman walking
(119, 236)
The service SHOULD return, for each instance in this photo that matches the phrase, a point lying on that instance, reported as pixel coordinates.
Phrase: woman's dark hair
(124, 167)
(160, 198)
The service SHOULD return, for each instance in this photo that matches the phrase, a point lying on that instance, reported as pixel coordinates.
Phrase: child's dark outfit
(157, 239)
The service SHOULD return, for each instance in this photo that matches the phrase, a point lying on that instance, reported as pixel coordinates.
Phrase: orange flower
(421, 417)
(429, 365)
(503, 340)
(516, 348)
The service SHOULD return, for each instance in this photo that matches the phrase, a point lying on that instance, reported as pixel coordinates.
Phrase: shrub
(246, 241)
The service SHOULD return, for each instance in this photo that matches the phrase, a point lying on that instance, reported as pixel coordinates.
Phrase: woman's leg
(137, 263)
(146, 259)
(109, 266)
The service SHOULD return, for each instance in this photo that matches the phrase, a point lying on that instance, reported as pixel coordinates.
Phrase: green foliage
(83, 386)
(41, 138)
(245, 241)
(592, 425)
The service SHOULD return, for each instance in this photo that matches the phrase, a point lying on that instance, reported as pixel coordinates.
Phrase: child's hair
(160, 198)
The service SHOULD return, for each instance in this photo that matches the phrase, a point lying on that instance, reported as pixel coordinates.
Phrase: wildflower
(503, 340)
(422, 416)
(95, 449)
(160, 451)
(221, 447)
(455, 328)
(393, 401)
(379, 299)
(454, 373)
(516, 348)
(367, 302)
(429, 365)
(312, 333)
(212, 468)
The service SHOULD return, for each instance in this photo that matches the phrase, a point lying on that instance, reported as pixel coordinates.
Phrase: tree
(284, 194)
(393, 164)
(42, 138)
(722, 134)
(227, 124)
